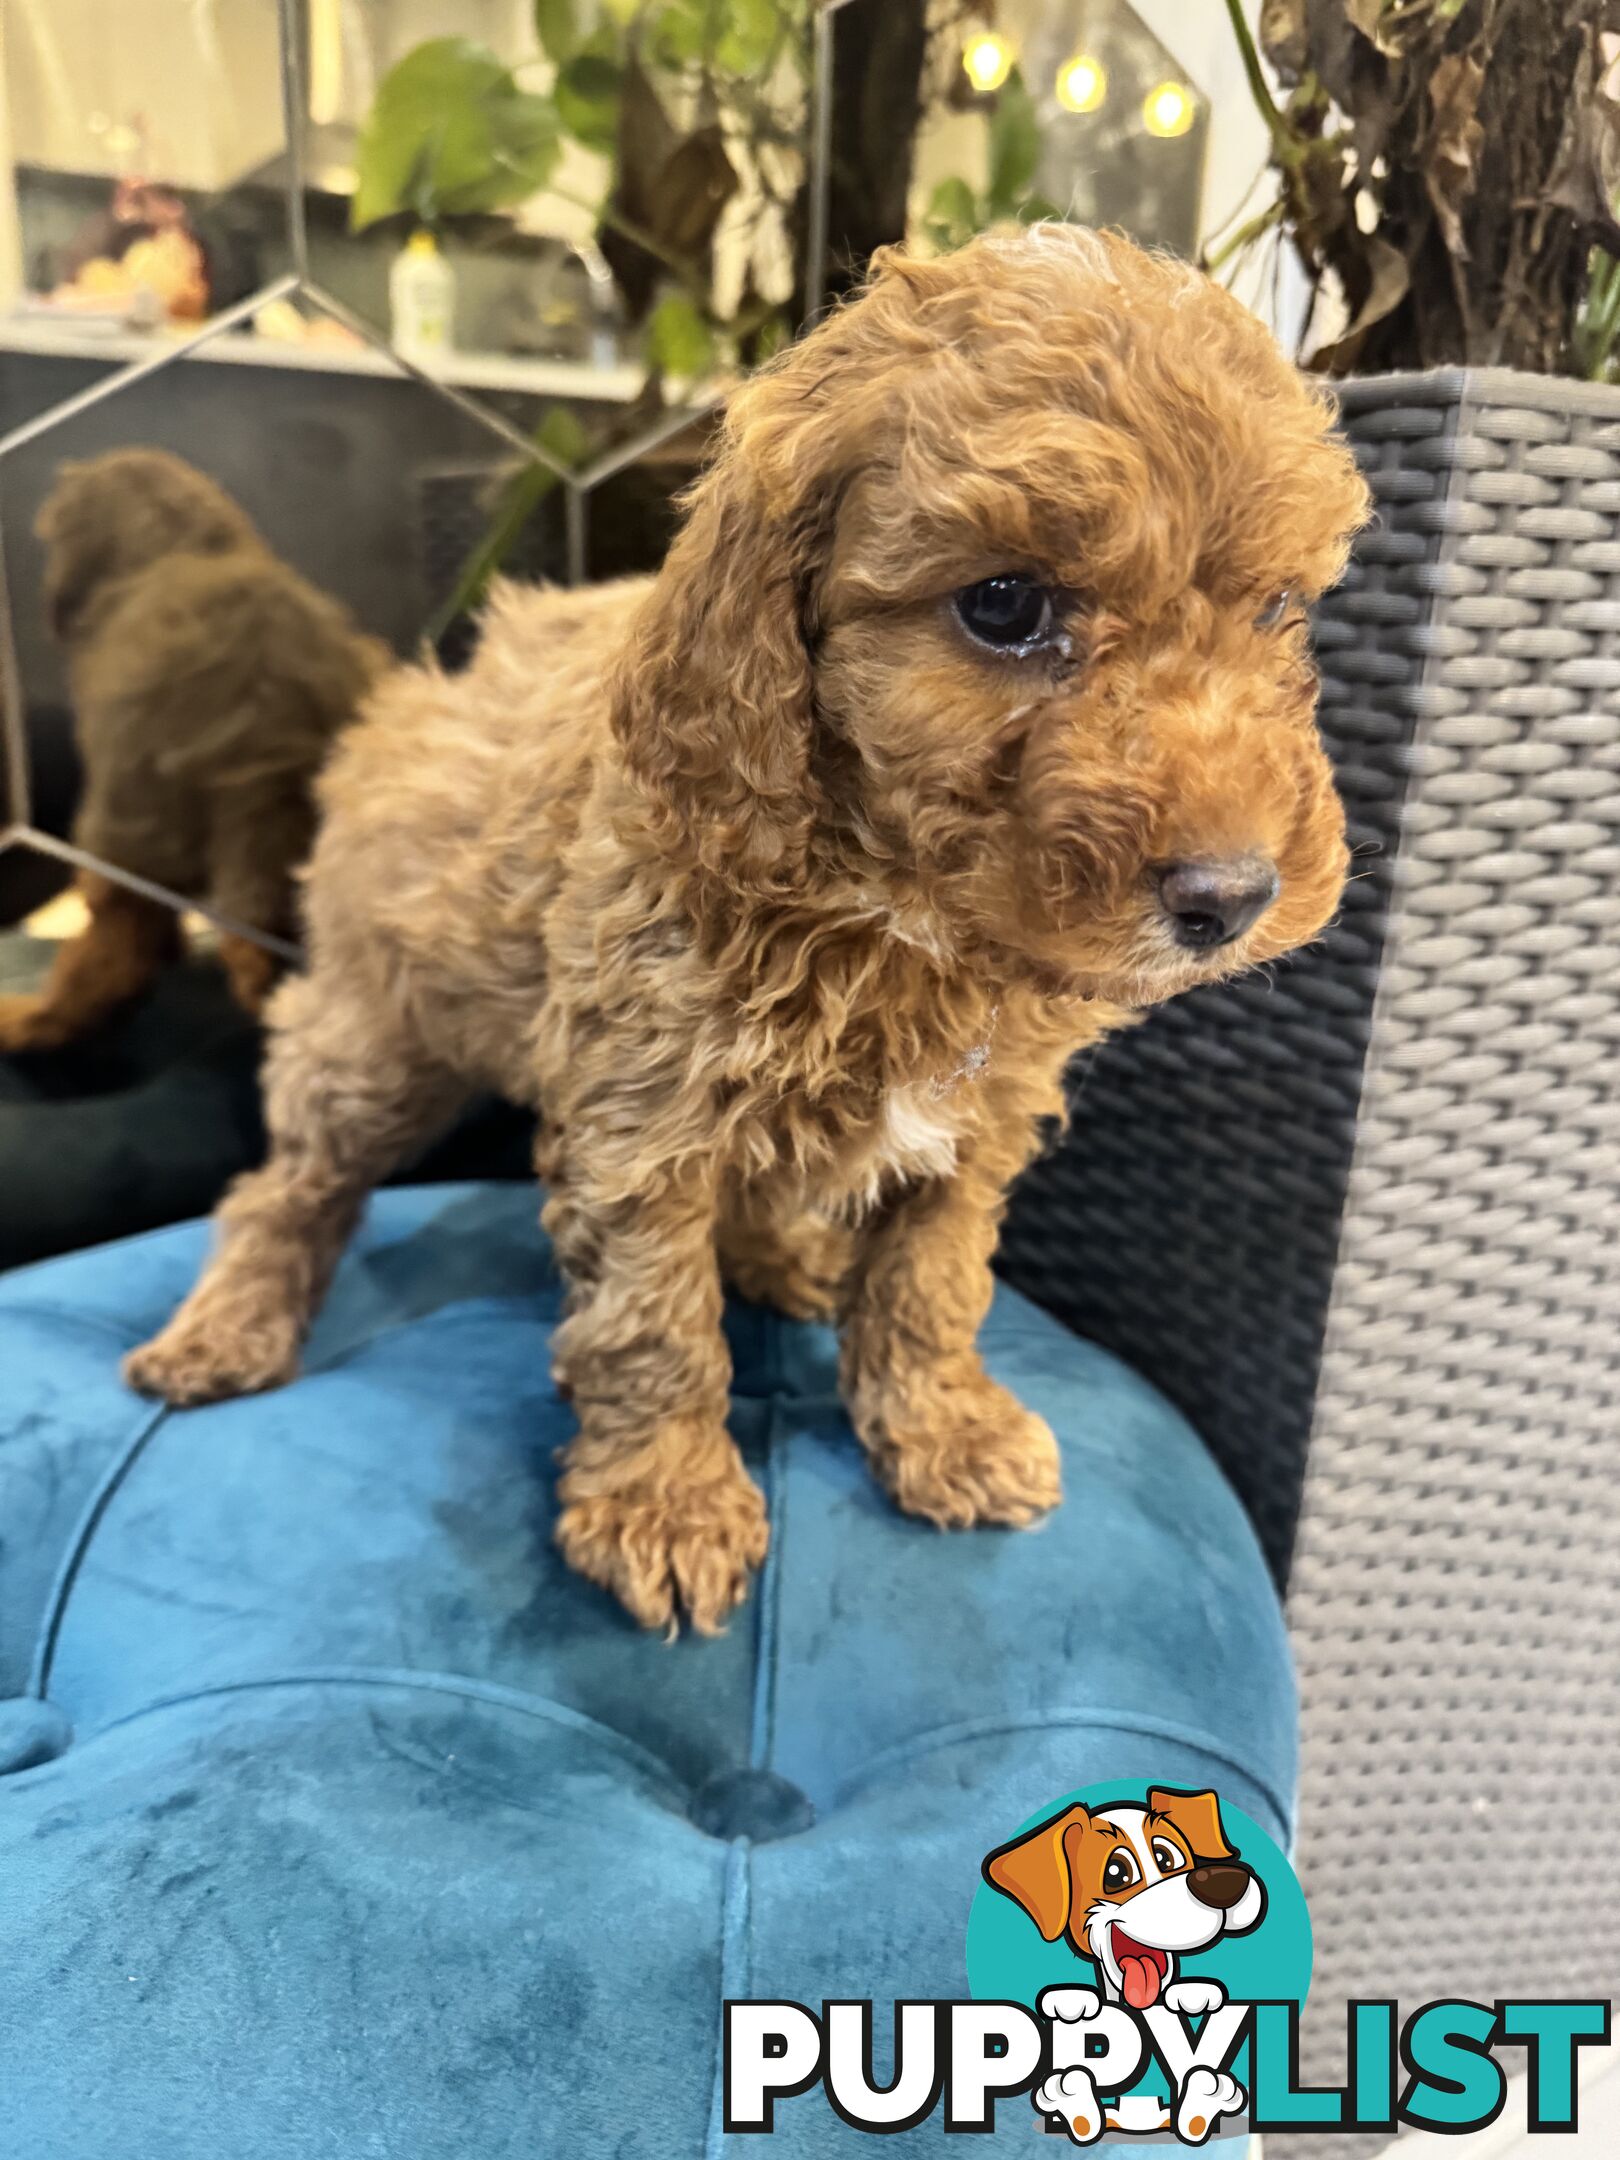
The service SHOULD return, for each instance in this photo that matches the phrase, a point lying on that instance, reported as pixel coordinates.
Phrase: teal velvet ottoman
(340, 1819)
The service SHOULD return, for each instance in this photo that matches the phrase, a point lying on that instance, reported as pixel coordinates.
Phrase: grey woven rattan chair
(1362, 1219)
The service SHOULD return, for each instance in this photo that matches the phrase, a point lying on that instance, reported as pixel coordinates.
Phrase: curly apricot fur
(786, 905)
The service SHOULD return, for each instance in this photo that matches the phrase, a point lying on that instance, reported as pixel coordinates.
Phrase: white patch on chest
(913, 1138)
(918, 1137)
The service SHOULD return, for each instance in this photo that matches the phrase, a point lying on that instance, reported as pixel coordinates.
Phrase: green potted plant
(685, 104)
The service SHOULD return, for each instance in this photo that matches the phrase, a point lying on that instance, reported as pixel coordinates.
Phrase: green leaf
(954, 203)
(403, 122)
(564, 435)
(556, 28)
(560, 432)
(587, 99)
(680, 34)
(1015, 147)
(773, 334)
(954, 214)
(1039, 209)
(450, 133)
(679, 340)
(749, 37)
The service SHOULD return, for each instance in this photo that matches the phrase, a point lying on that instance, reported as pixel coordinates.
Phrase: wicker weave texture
(1217, 1209)
(1456, 1589)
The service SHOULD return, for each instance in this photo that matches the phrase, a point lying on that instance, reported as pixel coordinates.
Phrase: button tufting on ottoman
(342, 1819)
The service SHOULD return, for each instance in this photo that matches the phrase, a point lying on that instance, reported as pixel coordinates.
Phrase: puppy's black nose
(1219, 1886)
(1212, 903)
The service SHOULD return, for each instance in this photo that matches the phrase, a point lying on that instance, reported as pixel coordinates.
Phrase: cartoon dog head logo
(1135, 1886)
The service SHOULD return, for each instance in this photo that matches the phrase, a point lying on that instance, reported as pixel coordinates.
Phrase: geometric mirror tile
(1058, 108)
(148, 142)
(225, 310)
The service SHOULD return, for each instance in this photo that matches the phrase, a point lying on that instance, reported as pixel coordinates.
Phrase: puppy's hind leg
(257, 837)
(349, 1093)
(126, 941)
(251, 970)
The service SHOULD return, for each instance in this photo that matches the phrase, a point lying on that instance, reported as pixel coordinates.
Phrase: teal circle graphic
(1008, 1962)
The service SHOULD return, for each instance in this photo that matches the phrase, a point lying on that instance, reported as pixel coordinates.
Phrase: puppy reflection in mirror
(208, 682)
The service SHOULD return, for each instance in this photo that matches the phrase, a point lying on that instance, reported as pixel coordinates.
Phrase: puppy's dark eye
(1120, 1872)
(1013, 614)
(1167, 1858)
(1277, 609)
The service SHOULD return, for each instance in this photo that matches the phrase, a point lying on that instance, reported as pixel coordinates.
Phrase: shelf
(572, 379)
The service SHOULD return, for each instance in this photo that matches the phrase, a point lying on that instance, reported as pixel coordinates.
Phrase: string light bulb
(1082, 83)
(987, 60)
(1169, 109)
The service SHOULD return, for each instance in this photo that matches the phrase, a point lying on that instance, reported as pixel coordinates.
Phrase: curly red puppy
(971, 714)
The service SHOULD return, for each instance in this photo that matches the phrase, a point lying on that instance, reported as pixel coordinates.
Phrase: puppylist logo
(1138, 1957)
(1139, 1889)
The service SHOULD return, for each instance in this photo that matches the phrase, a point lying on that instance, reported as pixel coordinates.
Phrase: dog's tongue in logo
(1141, 1970)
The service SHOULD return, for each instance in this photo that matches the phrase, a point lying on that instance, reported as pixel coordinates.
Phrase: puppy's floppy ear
(79, 550)
(714, 700)
(1033, 1870)
(1197, 1815)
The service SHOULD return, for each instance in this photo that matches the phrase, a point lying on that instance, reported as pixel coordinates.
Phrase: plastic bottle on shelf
(422, 299)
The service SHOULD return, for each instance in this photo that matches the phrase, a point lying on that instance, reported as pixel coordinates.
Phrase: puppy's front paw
(677, 1547)
(1069, 2005)
(200, 1358)
(960, 1450)
(1194, 1998)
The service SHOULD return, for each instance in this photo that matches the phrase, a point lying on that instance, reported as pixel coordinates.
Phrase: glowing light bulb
(987, 60)
(1082, 83)
(1169, 109)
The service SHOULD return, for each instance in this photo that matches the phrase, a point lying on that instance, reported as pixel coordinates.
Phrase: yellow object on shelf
(422, 299)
